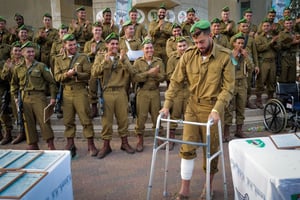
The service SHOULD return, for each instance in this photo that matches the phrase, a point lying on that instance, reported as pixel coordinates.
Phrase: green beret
(127, 23)
(180, 39)
(47, 15)
(27, 44)
(238, 36)
(191, 10)
(225, 9)
(248, 11)
(68, 37)
(201, 24)
(175, 25)
(215, 21)
(265, 20)
(287, 8)
(23, 27)
(287, 18)
(146, 41)
(80, 8)
(2, 19)
(63, 26)
(243, 20)
(97, 24)
(112, 36)
(133, 9)
(18, 15)
(162, 6)
(16, 44)
(106, 10)
(272, 10)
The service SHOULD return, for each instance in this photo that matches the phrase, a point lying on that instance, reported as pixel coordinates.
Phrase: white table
(261, 171)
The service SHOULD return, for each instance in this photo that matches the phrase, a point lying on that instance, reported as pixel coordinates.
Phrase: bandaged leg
(187, 167)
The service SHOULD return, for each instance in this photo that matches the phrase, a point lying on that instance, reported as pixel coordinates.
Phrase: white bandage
(187, 167)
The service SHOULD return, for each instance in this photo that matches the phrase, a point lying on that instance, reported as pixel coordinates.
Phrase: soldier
(208, 69)
(267, 48)
(73, 70)
(91, 48)
(140, 31)
(252, 27)
(160, 30)
(108, 23)
(6, 36)
(275, 27)
(227, 26)
(10, 64)
(23, 38)
(45, 37)
(150, 71)
(171, 45)
(81, 28)
(20, 23)
(180, 101)
(249, 45)
(286, 13)
(218, 37)
(289, 44)
(188, 23)
(243, 64)
(114, 71)
(33, 79)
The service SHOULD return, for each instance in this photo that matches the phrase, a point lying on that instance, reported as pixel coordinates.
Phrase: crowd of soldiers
(89, 62)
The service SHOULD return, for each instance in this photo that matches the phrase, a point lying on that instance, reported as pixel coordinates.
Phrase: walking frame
(166, 141)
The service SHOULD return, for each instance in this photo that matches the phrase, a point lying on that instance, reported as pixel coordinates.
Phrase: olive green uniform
(135, 44)
(107, 29)
(82, 33)
(222, 40)
(211, 86)
(45, 44)
(75, 93)
(238, 102)
(148, 95)
(223, 28)
(114, 76)
(6, 37)
(267, 52)
(288, 57)
(171, 45)
(180, 102)
(33, 82)
(55, 50)
(93, 85)
(160, 35)
(186, 27)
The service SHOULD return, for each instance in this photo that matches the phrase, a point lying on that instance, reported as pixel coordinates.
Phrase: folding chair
(166, 141)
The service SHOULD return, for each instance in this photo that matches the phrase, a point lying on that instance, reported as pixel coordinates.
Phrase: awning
(154, 3)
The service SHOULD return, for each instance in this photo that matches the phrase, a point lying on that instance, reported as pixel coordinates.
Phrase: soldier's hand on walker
(52, 101)
(165, 112)
(214, 116)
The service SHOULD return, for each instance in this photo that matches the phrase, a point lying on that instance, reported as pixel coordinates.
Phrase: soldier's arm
(60, 74)
(14, 84)
(83, 72)
(140, 76)
(50, 79)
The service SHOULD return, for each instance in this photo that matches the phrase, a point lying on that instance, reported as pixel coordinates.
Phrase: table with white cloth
(262, 171)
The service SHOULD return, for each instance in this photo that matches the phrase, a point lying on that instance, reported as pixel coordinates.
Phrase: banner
(279, 6)
(122, 8)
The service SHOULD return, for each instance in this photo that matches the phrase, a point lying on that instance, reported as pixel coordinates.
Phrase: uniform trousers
(5, 119)
(237, 104)
(115, 103)
(33, 111)
(199, 112)
(267, 76)
(75, 100)
(179, 106)
(288, 68)
(148, 101)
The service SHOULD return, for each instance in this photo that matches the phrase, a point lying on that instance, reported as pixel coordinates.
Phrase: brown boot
(140, 144)
(20, 138)
(106, 149)
(7, 137)
(33, 146)
(172, 136)
(91, 147)
(125, 146)
(71, 146)
(226, 136)
(250, 105)
(239, 132)
(51, 144)
(94, 112)
(259, 101)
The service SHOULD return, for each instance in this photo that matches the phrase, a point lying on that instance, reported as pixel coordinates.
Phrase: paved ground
(124, 176)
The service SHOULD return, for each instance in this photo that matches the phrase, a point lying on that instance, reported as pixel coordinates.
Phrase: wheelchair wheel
(275, 117)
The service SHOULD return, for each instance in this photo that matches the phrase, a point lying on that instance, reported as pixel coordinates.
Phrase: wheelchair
(283, 111)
